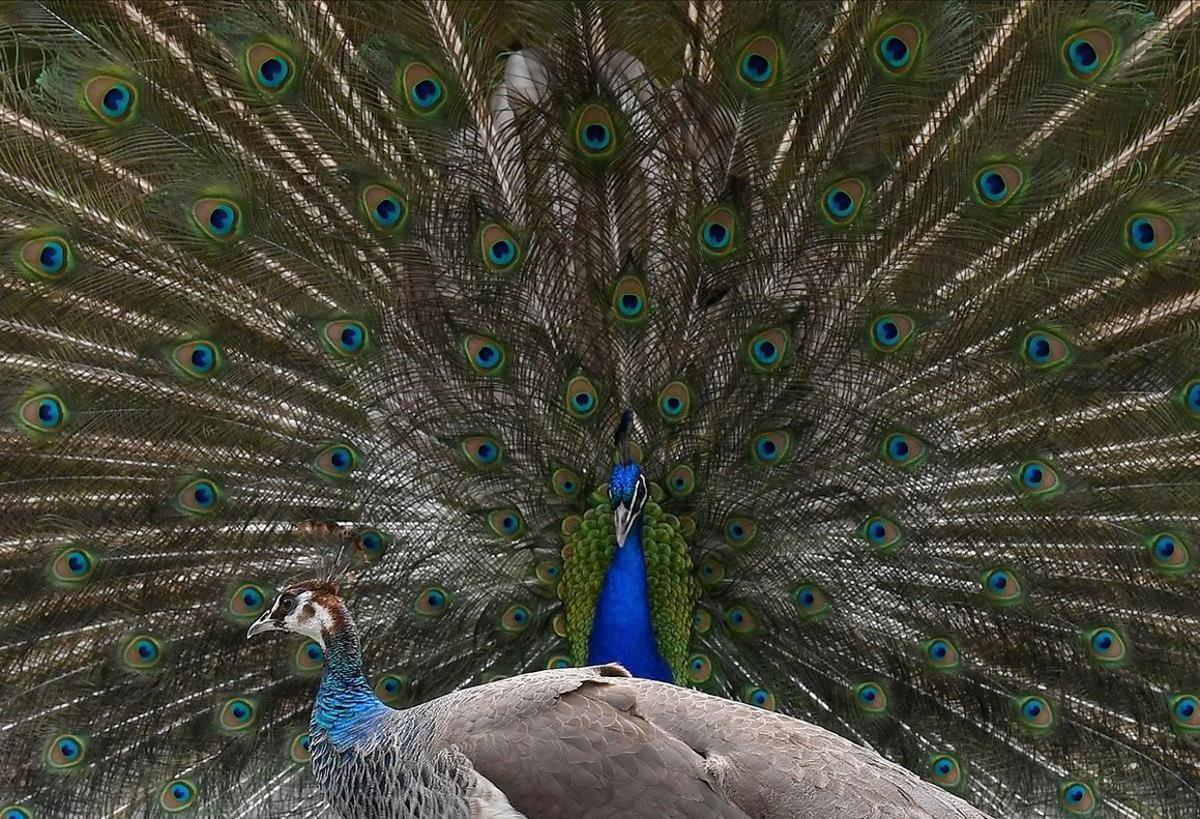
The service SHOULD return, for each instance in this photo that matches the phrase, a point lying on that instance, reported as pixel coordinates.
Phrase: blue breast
(623, 631)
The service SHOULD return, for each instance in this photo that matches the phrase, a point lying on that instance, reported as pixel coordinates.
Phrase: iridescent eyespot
(309, 657)
(765, 352)
(630, 303)
(247, 601)
(237, 714)
(72, 567)
(757, 696)
(891, 331)
(941, 654)
(1189, 398)
(565, 483)
(1038, 479)
(1001, 586)
(423, 89)
(431, 601)
(884, 535)
(871, 698)
(335, 461)
(770, 448)
(345, 337)
(387, 211)
(485, 355)
(595, 133)
(1185, 713)
(687, 525)
(711, 570)
(946, 771)
(1034, 713)
(506, 522)
(499, 247)
(758, 64)
(675, 402)
(811, 601)
(558, 623)
(1170, 553)
(699, 668)
(896, 49)
(701, 621)
(717, 235)
(483, 451)
(548, 572)
(1044, 349)
(271, 70)
(43, 413)
(996, 185)
(391, 687)
(1148, 234)
(142, 653)
(903, 450)
(516, 618)
(842, 200)
(197, 359)
(177, 795)
(681, 481)
(1107, 647)
(199, 497)
(581, 398)
(372, 544)
(740, 620)
(113, 100)
(47, 259)
(1086, 53)
(1077, 797)
(556, 661)
(300, 748)
(739, 531)
(66, 751)
(16, 812)
(219, 219)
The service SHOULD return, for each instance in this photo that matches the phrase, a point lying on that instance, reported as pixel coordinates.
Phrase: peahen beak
(623, 518)
(262, 625)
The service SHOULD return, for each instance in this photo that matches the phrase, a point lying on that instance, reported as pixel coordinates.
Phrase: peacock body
(893, 308)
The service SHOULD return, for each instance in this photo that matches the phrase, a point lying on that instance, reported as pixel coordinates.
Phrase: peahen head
(627, 489)
(313, 608)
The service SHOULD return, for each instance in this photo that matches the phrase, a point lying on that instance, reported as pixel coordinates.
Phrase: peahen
(894, 309)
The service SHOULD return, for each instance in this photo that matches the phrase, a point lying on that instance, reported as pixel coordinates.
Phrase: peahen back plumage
(901, 297)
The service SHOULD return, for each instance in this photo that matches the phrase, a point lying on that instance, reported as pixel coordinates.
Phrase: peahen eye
(219, 219)
(717, 235)
(1148, 234)
(336, 461)
(1076, 797)
(271, 70)
(842, 201)
(757, 64)
(47, 259)
(177, 795)
(674, 402)
(485, 355)
(765, 352)
(423, 89)
(1087, 53)
(287, 603)
(891, 331)
(112, 99)
(44, 413)
(595, 134)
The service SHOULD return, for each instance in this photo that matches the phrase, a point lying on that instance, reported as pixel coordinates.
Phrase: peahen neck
(345, 700)
(623, 631)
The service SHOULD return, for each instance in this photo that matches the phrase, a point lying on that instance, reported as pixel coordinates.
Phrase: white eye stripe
(640, 492)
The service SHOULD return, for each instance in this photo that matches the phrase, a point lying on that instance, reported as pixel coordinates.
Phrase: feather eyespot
(1170, 553)
(945, 770)
(711, 570)
(903, 450)
(812, 601)
(758, 64)
(1086, 53)
(386, 210)
(485, 355)
(45, 413)
(565, 483)
(1037, 479)
(506, 522)
(891, 332)
(423, 89)
(219, 219)
(559, 661)
(630, 304)
(72, 567)
(1001, 586)
(391, 687)
(771, 448)
(247, 601)
(501, 252)
(1045, 350)
(15, 812)
(740, 620)
(717, 236)
(996, 185)
(842, 201)
(516, 618)
(49, 258)
(701, 621)
(548, 572)
(177, 795)
(335, 461)
(66, 751)
(309, 657)
(200, 496)
(432, 601)
(558, 624)
(1107, 647)
(346, 338)
(595, 134)
(112, 99)
(759, 697)
(884, 535)
(372, 544)
(1077, 797)
(766, 351)
(681, 481)
(941, 654)
(1148, 234)
(581, 397)
(197, 359)
(699, 668)
(142, 653)
(739, 531)
(871, 698)
(483, 451)
(1185, 713)
(896, 49)
(237, 714)
(271, 70)
(1034, 713)
(675, 402)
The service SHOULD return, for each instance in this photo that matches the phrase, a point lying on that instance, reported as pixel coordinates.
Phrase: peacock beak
(262, 625)
(623, 518)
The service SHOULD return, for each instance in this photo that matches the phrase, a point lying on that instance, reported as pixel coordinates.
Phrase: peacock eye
(178, 795)
(422, 88)
(111, 99)
(271, 70)
(47, 259)
(718, 232)
(758, 61)
(1086, 53)
(218, 218)
(842, 201)
(897, 47)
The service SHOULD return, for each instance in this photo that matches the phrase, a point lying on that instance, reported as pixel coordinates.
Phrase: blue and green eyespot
(72, 567)
(198, 358)
(199, 496)
(941, 654)
(717, 234)
(842, 201)
(675, 402)
(1148, 234)
(581, 397)
(565, 483)
(1037, 479)
(996, 185)
(271, 70)
(883, 534)
(506, 522)
(1185, 712)
(177, 795)
(1002, 586)
(811, 601)
(947, 771)
(372, 544)
(758, 63)
(766, 351)
(740, 620)
(66, 751)
(47, 258)
(386, 209)
(309, 657)
(771, 448)
(1034, 713)
(247, 601)
(897, 48)
(595, 133)
(483, 451)
(346, 338)
(758, 696)
(515, 619)
(16, 812)
(903, 450)
(630, 304)
(711, 570)
(218, 218)
(1086, 53)
(237, 714)
(739, 531)
(391, 687)
(681, 481)
(142, 653)
(113, 99)
(486, 356)
(1045, 349)
(891, 332)
(1078, 798)
(499, 248)
(1170, 552)
(422, 89)
(432, 601)
(1106, 647)
(336, 461)
(43, 414)
(871, 698)
(699, 669)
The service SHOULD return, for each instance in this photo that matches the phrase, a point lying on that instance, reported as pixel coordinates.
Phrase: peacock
(838, 358)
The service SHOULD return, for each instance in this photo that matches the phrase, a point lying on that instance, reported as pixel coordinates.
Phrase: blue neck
(345, 702)
(623, 631)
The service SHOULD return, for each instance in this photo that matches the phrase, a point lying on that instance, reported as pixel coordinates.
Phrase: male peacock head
(313, 608)
(627, 489)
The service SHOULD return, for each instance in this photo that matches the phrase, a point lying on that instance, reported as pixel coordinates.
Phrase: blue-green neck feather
(623, 631)
(346, 705)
